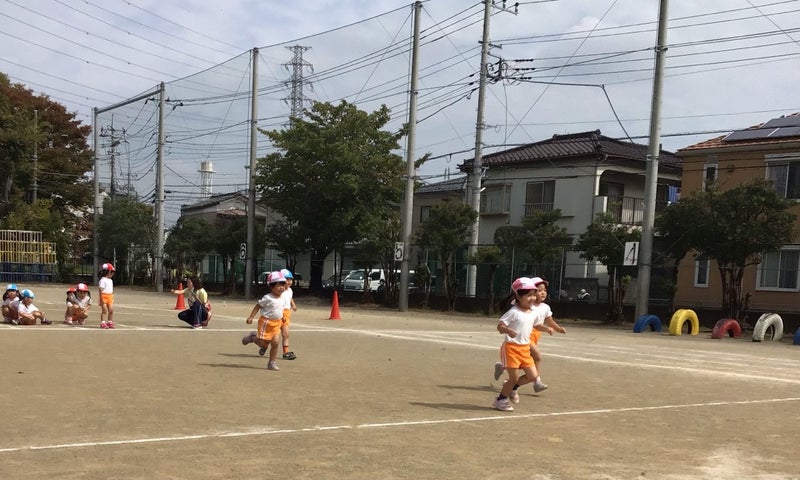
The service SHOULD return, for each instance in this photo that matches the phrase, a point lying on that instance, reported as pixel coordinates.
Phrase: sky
(557, 66)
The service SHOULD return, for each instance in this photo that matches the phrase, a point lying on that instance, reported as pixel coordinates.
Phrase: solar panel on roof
(750, 134)
(783, 122)
(786, 132)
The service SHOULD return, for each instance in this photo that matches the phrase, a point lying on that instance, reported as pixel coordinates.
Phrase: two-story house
(581, 174)
(770, 150)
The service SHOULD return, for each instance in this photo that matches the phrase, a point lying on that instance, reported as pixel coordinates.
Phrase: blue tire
(796, 339)
(647, 320)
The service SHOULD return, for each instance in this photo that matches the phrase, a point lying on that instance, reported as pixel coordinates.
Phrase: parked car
(330, 283)
(377, 278)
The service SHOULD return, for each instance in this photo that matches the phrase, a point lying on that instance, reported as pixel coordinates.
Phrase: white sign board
(398, 251)
(243, 251)
(631, 254)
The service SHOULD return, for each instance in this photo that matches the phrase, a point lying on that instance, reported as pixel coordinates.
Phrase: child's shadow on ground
(451, 406)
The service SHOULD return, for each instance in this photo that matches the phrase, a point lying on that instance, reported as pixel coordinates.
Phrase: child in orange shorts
(106, 285)
(270, 320)
(527, 313)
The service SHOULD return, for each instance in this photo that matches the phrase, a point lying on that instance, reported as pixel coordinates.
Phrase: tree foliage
(188, 242)
(127, 232)
(490, 255)
(445, 232)
(334, 172)
(604, 241)
(735, 228)
(31, 124)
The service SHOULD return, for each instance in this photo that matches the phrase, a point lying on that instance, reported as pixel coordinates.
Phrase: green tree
(61, 209)
(127, 232)
(228, 238)
(735, 228)
(334, 170)
(545, 237)
(490, 255)
(188, 242)
(604, 241)
(445, 232)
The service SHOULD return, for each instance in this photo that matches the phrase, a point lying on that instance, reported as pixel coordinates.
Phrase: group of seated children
(18, 307)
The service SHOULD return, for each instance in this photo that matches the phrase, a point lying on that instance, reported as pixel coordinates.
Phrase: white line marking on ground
(267, 431)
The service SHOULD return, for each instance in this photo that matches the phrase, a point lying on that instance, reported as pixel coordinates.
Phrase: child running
(288, 307)
(527, 313)
(28, 313)
(106, 286)
(79, 310)
(11, 304)
(535, 336)
(270, 319)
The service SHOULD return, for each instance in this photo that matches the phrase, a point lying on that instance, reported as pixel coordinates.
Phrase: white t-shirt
(287, 296)
(271, 306)
(12, 303)
(27, 309)
(106, 285)
(523, 322)
(83, 302)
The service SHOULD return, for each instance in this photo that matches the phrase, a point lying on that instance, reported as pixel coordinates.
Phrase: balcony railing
(542, 207)
(630, 210)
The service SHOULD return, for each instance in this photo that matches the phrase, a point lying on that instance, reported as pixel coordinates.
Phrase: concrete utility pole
(651, 176)
(477, 169)
(408, 201)
(160, 191)
(251, 190)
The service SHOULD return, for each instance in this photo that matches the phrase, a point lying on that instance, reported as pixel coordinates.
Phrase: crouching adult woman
(198, 312)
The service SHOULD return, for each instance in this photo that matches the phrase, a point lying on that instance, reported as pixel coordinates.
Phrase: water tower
(206, 175)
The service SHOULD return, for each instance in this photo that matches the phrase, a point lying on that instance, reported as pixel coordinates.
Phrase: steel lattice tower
(297, 81)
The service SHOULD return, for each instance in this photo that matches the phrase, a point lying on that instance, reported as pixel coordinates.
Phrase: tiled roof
(213, 200)
(574, 146)
(452, 185)
(720, 142)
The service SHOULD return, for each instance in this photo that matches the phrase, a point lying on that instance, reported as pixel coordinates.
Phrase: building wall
(734, 167)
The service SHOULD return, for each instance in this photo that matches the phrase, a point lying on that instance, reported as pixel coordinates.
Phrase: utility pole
(297, 81)
(477, 167)
(408, 201)
(35, 185)
(651, 175)
(251, 189)
(160, 191)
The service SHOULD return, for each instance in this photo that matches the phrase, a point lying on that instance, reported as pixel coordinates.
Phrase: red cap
(109, 267)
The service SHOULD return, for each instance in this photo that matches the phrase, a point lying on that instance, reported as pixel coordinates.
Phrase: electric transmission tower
(296, 67)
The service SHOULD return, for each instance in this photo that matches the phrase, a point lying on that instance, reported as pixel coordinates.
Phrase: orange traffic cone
(180, 304)
(335, 307)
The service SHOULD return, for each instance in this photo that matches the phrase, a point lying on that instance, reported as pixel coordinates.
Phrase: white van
(354, 281)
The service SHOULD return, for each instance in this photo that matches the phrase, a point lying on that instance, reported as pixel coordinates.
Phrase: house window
(701, 272)
(785, 178)
(710, 175)
(496, 200)
(424, 212)
(540, 196)
(779, 270)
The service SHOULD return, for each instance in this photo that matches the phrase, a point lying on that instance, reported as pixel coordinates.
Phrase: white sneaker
(498, 370)
(539, 387)
(514, 396)
(273, 365)
(503, 405)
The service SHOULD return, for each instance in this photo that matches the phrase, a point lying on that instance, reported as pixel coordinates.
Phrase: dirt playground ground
(383, 395)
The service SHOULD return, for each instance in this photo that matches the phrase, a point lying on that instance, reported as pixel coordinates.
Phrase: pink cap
(276, 277)
(538, 281)
(523, 283)
(82, 287)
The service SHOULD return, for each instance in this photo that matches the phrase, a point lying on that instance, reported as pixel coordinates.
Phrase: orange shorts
(268, 328)
(513, 355)
(107, 299)
(287, 316)
(535, 336)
